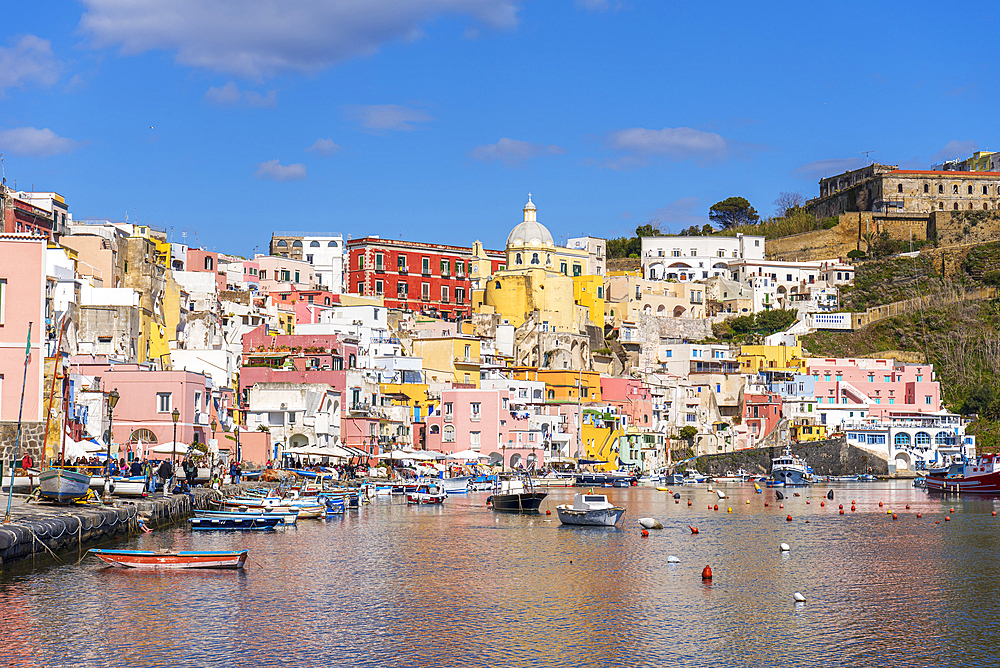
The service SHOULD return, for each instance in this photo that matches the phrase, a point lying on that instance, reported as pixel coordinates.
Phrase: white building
(696, 258)
(682, 359)
(809, 286)
(296, 414)
(914, 442)
(598, 250)
(326, 255)
(367, 324)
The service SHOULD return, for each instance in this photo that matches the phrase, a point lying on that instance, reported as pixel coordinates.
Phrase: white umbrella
(169, 447)
(467, 454)
(316, 451)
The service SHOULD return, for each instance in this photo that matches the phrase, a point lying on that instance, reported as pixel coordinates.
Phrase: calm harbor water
(460, 585)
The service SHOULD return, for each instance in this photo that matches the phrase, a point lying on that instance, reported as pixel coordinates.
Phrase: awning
(467, 455)
(316, 451)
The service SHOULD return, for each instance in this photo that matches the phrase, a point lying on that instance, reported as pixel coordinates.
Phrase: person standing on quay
(165, 472)
(235, 471)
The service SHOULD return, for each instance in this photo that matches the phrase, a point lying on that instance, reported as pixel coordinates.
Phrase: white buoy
(673, 560)
(721, 494)
(650, 523)
(709, 488)
(799, 598)
(785, 547)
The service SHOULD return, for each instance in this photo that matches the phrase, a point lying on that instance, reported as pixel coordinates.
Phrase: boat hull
(423, 499)
(980, 484)
(128, 486)
(553, 482)
(256, 523)
(288, 519)
(171, 560)
(789, 477)
(527, 502)
(63, 486)
(604, 517)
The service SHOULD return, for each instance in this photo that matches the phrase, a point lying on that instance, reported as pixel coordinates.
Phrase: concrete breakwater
(831, 457)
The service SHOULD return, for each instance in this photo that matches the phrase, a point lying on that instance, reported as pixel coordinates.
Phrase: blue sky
(433, 119)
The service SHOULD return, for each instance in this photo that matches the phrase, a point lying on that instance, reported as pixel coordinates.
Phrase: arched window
(923, 438)
(326, 301)
(352, 361)
(313, 244)
(517, 259)
(449, 434)
(498, 285)
(435, 429)
(332, 244)
(142, 435)
(548, 258)
(902, 438)
(942, 438)
(534, 258)
(282, 243)
(209, 263)
(296, 244)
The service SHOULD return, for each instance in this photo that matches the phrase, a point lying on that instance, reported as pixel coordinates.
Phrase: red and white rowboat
(979, 476)
(165, 559)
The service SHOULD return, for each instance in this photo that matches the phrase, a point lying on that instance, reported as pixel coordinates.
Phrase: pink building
(761, 415)
(148, 398)
(849, 389)
(482, 420)
(279, 274)
(22, 298)
(632, 398)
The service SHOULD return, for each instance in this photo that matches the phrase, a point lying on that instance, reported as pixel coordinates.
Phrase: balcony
(448, 417)
(466, 360)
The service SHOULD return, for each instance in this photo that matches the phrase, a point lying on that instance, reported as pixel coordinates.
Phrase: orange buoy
(894, 516)
(919, 515)
(879, 504)
(807, 521)
(716, 507)
(706, 573)
(822, 504)
(952, 510)
(693, 529)
(947, 519)
(676, 501)
(788, 519)
(907, 506)
(645, 534)
(807, 503)
(689, 502)
(710, 506)
(841, 506)
(853, 509)
(765, 504)
(841, 511)
(938, 522)
(548, 512)
(994, 513)
(781, 505)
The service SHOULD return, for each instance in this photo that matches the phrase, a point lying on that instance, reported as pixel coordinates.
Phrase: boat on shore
(63, 485)
(516, 495)
(173, 560)
(790, 470)
(590, 510)
(974, 476)
(131, 486)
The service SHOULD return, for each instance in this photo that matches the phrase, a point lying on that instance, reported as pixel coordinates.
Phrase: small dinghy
(167, 559)
(590, 510)
(253, 523)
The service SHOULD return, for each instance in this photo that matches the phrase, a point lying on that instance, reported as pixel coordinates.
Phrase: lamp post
(175, 415)
(113, 398)
(208, 454)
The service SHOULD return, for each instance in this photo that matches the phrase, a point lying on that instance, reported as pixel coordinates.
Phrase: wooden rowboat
(62, 485)
(167, 559)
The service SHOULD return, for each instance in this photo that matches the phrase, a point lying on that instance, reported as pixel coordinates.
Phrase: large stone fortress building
(907, 193)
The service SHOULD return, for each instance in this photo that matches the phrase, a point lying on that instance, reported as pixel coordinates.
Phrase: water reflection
(460, 585)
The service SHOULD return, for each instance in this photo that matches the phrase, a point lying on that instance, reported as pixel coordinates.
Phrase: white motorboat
(790, 469)
(590, 510)
(132, 486)
(555, 479)
(457, 485)
(692, 477)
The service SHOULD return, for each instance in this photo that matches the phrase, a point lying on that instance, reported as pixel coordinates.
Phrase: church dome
(530, 232)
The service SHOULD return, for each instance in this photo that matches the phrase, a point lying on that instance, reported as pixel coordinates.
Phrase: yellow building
(452, 359)
(600, 434)
(754, 359)
(530, 246)
(803, 433)
(563, 385)
(588, 291)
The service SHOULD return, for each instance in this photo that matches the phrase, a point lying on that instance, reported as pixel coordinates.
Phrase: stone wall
(833, 457)
(32, 436)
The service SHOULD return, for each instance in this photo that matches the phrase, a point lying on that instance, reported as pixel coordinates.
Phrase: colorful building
(453, 359)
(755, 359)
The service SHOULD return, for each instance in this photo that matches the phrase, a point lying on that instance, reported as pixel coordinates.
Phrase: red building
(413, 276)
(23, 217)
(762, 414)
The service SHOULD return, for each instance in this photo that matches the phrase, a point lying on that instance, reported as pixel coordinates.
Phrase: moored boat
(978, 476)
(790, 469)
(590, 510)
(286, 516)
(232, 522)
(132, 486)
(173, 560)
(426, 494)
(516, 495)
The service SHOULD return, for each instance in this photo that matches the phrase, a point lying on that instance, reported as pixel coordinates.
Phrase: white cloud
(955, 150)
(29, 61)
(384, 117)
(324, 147)
(273, 170)
(670, 143)
(265, 37)
(829, 167)
(681, 210)
(513, 152)
(231, 96)
(36, 143)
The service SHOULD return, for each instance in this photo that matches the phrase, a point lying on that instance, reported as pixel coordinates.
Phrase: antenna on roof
(867, 160)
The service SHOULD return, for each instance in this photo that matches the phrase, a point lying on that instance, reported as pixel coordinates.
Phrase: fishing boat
(456, 485)
(285, 516)
(131, 486)
(235, 523)
(426, 494)
(167, 559)
(607, 478)
(516, 495)
(692, 477)
(555, 479)
(590, 510)
(63, 485)
(790, 469)
(980, 475)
